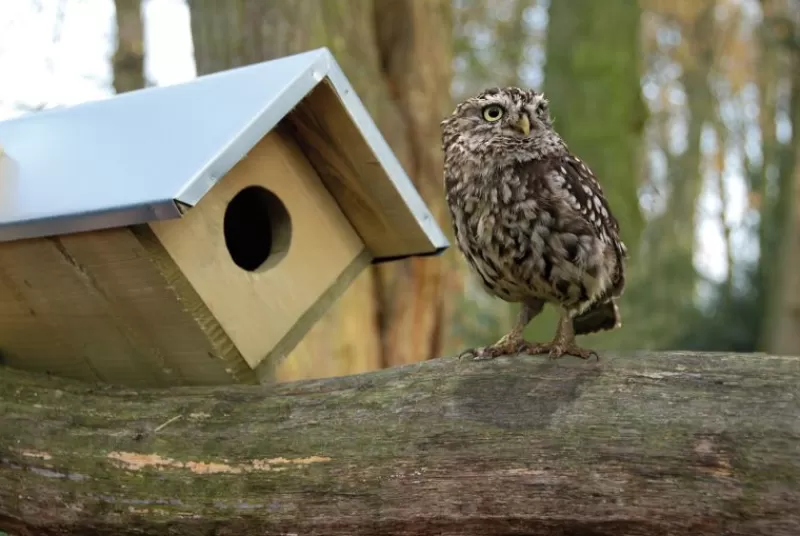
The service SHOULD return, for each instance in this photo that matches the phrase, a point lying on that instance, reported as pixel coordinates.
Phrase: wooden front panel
(261, 310)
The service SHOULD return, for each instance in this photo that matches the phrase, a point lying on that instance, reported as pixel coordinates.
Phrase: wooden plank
(75, 333)
(258, 309)
(351, 173)
(31, 341)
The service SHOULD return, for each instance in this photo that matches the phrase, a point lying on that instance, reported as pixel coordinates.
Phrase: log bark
(645, 444)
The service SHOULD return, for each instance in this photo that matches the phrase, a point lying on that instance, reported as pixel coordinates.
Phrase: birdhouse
(193, 233)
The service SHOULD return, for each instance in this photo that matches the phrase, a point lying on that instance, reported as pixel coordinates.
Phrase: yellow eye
(493, 112)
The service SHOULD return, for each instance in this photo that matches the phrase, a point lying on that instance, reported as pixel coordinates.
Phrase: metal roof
(129, 158)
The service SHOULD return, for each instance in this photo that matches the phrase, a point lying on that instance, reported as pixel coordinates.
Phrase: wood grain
(108, 305)
(642, 444)
(355, 178)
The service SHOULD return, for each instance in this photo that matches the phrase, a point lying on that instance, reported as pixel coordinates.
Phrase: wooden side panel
(265, 312)
(351, 173)
(98, 306)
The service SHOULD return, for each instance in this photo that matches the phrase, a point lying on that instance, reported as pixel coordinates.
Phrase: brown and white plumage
(531, 218)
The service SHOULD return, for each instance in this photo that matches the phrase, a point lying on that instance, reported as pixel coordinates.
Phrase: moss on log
(645, 444)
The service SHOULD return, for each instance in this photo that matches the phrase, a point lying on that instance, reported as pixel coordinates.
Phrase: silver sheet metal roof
(129, 158)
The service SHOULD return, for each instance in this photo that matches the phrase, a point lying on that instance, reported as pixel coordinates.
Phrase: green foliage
(592, 76)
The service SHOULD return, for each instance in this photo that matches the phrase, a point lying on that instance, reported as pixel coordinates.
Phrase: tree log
(640, 444)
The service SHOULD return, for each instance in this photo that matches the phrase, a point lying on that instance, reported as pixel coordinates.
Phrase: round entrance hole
(257, 229)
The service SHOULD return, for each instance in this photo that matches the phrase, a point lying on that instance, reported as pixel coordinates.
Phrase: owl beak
(524, 124)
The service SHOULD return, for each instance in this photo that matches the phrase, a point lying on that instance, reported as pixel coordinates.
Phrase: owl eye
(493, 112)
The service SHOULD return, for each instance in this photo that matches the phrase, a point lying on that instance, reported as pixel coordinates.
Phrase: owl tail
(601, 316)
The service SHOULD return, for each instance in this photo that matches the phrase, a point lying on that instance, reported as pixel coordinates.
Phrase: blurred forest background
(686, 109)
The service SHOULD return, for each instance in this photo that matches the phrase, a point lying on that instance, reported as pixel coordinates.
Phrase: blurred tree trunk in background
(669, 244)
(397, 54)
(676, 246)
(128, 60)
(505, 26)
(768, 78)
(780, 227)
(592, 78)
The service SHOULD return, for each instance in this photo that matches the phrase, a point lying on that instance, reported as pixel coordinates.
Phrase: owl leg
(512, 342)
(564, 342)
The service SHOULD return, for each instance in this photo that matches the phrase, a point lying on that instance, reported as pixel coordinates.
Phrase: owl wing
(567, 178)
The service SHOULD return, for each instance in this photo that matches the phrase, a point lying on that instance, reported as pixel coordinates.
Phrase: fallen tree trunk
(647, 444)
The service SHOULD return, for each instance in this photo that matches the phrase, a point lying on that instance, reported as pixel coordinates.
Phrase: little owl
(531, 220)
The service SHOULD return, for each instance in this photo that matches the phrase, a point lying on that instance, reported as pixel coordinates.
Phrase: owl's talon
(481, 353)
(559, 350)
(485, 356)
(505, 346)
(472, 352)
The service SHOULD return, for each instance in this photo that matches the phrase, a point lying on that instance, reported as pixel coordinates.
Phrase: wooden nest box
(192, 234)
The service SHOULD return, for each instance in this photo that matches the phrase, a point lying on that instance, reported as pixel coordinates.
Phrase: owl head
(498, 118)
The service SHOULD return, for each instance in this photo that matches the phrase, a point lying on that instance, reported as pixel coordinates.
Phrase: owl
(531, 220)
